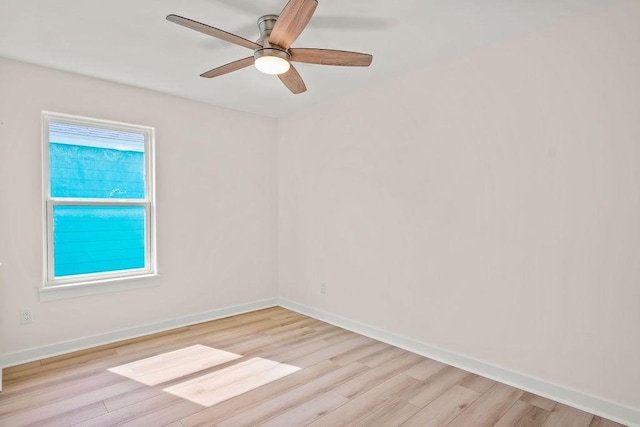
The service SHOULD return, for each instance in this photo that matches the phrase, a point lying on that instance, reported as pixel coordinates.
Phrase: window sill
(52, 293)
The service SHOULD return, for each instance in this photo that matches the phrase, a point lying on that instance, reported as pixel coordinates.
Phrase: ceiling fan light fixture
(271, 60)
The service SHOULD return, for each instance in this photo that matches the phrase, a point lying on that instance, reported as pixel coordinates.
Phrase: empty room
(318, 212)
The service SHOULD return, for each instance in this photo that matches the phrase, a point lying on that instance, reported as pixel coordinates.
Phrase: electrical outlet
(25, 316)
(323, 288)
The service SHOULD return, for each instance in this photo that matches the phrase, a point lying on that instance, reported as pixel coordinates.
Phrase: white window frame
(112, 279)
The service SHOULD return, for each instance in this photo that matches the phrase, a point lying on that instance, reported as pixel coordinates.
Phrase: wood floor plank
(232, 407)
(221, 385)
(566, 416)
(277, 345)
(132, 412)
(443, 409)
(359, 407)
(283, 314)
(285, 326)
(160, 361)
(300, 395)
(73, 417)
(268, 346)
(76, 358)
(602, 422)
(332, 351)
(308, 411)
(66, 367)
(425, 369)
(295, 333)
(297, 352)
(436, 385)
(477, 383)
(488, 408)
(212, 337)
(358, 353)
(539, 401)
(366, 382)
(535, 417)
(156, 337)
(392, 414)
(72, 403)
(523, 414)
(164, 415)
(67, 373)
(341, 335)
(15, 402)
(175, 364)
(341, 378)
(381, 357)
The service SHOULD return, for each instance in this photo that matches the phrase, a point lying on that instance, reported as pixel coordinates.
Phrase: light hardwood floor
(272, 367)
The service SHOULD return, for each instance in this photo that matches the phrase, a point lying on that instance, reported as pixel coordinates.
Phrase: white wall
(216, 207)
(489, 206)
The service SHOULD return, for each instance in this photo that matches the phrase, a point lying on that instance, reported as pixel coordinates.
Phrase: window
(98, 185)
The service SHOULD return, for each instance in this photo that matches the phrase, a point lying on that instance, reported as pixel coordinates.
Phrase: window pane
(96, 239)
(88, 162)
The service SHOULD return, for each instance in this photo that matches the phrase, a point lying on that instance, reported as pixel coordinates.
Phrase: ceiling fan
(272, 53)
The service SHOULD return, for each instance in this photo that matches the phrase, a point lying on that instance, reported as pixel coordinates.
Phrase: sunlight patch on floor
(175, 364)
(209, 389)
(235, 380)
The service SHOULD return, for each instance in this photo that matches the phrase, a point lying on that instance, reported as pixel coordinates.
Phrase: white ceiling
(129, 41)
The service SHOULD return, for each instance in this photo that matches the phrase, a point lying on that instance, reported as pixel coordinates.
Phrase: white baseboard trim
(594, 405)
(51, 350)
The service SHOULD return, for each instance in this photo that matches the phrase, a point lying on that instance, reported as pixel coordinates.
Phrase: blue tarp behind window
(87, 162)
(96, 239)
(91, 172)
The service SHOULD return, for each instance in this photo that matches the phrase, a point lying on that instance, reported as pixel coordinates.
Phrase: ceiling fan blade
(293, 81)
(331, 57)
(293, 19)
(211, 31)
(227, 68)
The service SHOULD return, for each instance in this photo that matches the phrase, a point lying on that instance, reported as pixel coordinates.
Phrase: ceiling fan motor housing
(266, 24)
